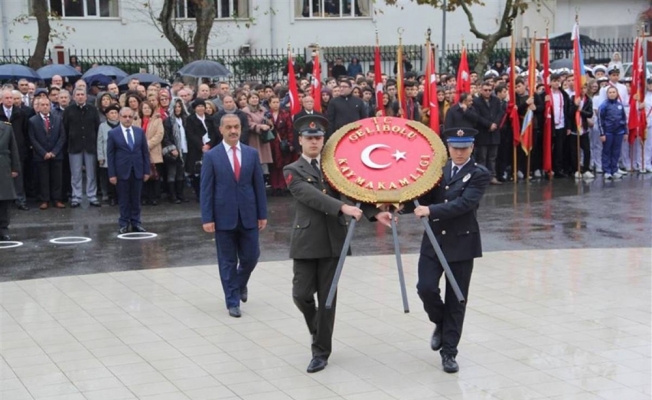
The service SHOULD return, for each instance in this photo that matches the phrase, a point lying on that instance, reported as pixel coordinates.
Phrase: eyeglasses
(126, 116)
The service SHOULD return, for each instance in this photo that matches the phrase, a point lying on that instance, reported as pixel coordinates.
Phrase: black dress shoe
(95, 204)
(235, 312)
(449, 363)
(317, 364)
(5, 238)
(74, 204)
(22, 207)
(138, 228)
(435, 341)
(123, 230)
(244, 295)
(154, 203)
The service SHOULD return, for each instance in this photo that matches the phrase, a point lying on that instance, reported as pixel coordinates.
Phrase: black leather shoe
(317, 364)
(138, 228)
(95, 204)
(435, 341)
(123, 230)
(5, 238)
(22, 207)
(74, 204)
(235, 312)
(449, 363)
(244, 295)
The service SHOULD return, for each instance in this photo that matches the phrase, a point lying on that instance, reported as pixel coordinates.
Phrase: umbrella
(564, 42)
(204, 69)
(144, 79)
(562, 63)
(99, 79)
(46, 73)
(106, 70)
(17, 71)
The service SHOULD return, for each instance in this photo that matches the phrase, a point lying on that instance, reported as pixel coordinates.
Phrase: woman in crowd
(241, 100)
(202, 134)
(282, 149)
(102, 103)
(133, 101)
(259, 125)
(211, 110)
(164, 98)
(354, 67)
(175, 150)
(112, 120)
(326, 96)
(356, 92)
(152, 124)
(444, 105)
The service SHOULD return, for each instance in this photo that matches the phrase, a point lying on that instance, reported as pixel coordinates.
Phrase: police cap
(460, 137)
(311, 125)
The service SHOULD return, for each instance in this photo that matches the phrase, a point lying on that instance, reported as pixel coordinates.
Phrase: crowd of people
(61, 130)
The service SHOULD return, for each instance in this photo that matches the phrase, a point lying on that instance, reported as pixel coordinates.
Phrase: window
(223, 8)
(331, 8)
(84, 8)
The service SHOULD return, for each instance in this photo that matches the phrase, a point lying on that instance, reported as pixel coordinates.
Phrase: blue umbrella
(46, 73)
(98, 79)
(106, 70)
(17, 71)
(204, 69)
(144, 79)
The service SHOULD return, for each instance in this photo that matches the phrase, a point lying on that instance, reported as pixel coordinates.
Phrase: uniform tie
(315, 165)
(236, 163)
(130, 139)
(455, 169)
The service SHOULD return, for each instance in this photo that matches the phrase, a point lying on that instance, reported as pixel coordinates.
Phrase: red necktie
(236, 163)
(47, 123)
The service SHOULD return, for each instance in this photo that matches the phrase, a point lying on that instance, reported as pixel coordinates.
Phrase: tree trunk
(483, 57)
(204, 18)
(40, 9)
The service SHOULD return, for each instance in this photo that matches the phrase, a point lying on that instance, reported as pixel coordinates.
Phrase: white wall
(600, 18)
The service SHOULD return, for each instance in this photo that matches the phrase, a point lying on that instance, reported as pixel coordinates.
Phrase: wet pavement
(540, 215)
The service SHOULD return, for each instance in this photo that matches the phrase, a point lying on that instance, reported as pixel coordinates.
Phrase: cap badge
(460, 133)
(312, 125)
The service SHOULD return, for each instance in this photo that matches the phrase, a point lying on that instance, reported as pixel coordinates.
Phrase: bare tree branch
(473, 29)
(40, 10)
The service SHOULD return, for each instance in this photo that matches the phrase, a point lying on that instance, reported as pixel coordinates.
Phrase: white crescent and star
(365, 156)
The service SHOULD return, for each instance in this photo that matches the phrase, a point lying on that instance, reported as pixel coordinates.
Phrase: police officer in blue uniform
(451, 209)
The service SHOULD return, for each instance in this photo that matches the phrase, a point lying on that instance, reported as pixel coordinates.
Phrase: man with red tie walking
(234, 207)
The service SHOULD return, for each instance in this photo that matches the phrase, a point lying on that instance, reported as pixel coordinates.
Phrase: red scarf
(145, 123)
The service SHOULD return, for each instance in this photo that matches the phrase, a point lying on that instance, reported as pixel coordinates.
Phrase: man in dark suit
(127, 156)
(234, 207)
(451, 209)
(344, 109)
(18, 120)
(229, 107)
(47, 136)
(462, 114)
(318, 236)
(9, 169)
(489, 112)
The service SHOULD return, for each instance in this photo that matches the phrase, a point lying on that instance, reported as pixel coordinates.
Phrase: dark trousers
(129, 200)
(586, 150)
(49, 174)
(66, 187)
(536, 154)
(24, 180)
(504, 157)
(237, 256)
(315, 276)
(558, 139)
(176, 179)
(486, 155)
(153, 186)
(108, 190)
(4, 216)
(448, 313)
(611, 153)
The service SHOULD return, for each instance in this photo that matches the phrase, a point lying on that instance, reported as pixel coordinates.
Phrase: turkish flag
(378, 81)
(295, 107)
(316, 82)
(463, 77)
(430, 92)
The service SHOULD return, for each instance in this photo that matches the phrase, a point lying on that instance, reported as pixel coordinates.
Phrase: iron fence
(267, 65)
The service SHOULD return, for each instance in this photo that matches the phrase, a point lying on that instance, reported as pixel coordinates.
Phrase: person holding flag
(647, 141)
(584, 105)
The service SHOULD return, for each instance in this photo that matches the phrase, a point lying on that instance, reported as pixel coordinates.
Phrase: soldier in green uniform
(318, 235)
(9, 169)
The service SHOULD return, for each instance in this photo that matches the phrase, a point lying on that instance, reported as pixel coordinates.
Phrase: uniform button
(443, 232)
(298, 226)
(446, 201)
(467, 232)
(446, 188)
(326, 213)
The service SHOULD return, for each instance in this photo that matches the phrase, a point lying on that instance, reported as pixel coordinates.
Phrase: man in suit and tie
(18, 120)
(318, 236)
(451, 209)
(127, 157)
(47, 136)
(234, 207)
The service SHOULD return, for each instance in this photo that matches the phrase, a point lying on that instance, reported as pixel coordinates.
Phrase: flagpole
(643, 134)
(529, 143)
(578, 119)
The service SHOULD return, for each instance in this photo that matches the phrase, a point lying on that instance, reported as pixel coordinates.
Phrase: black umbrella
(562, 63)
(106, 70)
(204, 69)
(46, 73)
(564, 42)
(17, 71)
(144, 79)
